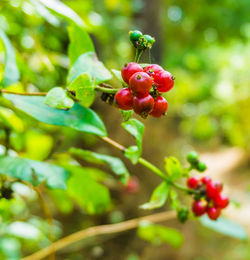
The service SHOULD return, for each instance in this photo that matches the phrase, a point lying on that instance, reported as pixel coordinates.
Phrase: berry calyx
(164, 81)
(192, 182)
(135, 36)
(160, 107)
(213, 188)
(140, 83)
(221, 201)
(201, 167)
(149, 39)
(205, 179)
(199, 207)
(192, 157)
(124, 99)
(129, 69)
(213, 213)
(143, 105)
(153, 69)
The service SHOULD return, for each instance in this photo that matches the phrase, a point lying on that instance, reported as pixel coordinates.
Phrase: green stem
(179, 187)
(138, 54)
(7, 141)
(106, 90)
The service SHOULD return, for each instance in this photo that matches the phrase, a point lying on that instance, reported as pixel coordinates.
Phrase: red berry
(143, 105)
(129, 69)
(124, 99)
(140, 83)
(153, 69)
(213, 213)
(221, 201)
(192, 182)
(213, 189)
(164, 81)
(160, 107)
(132, 185)
(205, 179)
(199, 207)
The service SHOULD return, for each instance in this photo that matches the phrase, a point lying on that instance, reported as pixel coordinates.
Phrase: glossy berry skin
(153, 69)
(192, 157)
(199, 207)
(192, 182)
(160, 107)
(221, 201)
(140, 83)
(213, 213)
(205, 179)
(213, 188)
(164, 81)
(129, 69)
(143, 105)
(201, 167)
(124, 99)
(135, 36)
(149, 39)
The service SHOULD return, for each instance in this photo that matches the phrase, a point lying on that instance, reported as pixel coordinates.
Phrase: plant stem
(138, 54)
(23, 93)
(100, 230)
(7, 141)
(106, 90)
(152, 167)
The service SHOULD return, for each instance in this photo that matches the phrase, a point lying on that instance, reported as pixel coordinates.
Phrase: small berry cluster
(144, 88)
(193, 159)
(141, 41)
(209, 198)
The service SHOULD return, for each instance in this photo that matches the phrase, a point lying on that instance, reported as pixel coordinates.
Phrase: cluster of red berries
(209, 198)
(144, 88)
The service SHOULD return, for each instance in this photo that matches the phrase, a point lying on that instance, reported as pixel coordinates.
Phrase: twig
(99, 230)
(23, 93)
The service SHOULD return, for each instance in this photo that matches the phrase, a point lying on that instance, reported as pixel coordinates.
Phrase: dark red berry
(160, 107)
(164, 81)
(129, 69)
(213, 189)
(221, 201)
(140, 83)
(153, 69)
(213, 213)
(192, 182)
(143, 105)
(205, 179)
(199, 207)
(124, 99)
(132, 185)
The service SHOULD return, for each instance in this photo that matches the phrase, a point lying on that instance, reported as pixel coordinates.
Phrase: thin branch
(7, 141)
(23, 93)
(100, 230)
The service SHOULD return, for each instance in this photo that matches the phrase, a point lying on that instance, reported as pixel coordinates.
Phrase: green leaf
(86, 191)
(82, 89)
(157, 234)
(63, 10)
(226, 227)
(88, 63)
(118, 75)
(126, 114)
(57, 98)
(34, 172)
(158, 198)
(135, 128)
(11, 72)
(173, 168)
(80, 42)
(78, 117)
(115, 164)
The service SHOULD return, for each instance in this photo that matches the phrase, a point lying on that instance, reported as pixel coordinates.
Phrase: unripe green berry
(149, 39)
(192, 157)
(135, 36)
(201, 167)
(182, 214)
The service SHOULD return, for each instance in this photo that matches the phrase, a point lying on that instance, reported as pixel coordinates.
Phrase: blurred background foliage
(205, 44)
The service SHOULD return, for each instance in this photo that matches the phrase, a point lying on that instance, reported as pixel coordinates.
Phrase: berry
(199, 207)
(160, 107)
(129, 69)
(124, 99)
(221, 201)
(182, 214)
(153, 69)
(213, 213)
(192, 157)
(205, 179)
(201, 167)
(192, 182)
(135, 36)
(140, 83)
(132, 185)
(213, 189)
(143, 105)
(164, 81)
(149, 39)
